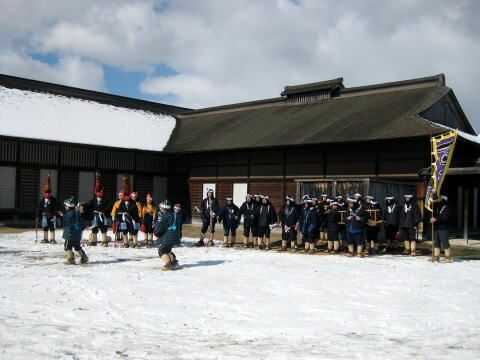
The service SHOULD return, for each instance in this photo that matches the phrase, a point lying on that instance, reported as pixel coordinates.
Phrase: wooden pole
(475, 207)
(432, 237)
(459, 206)
(465, 215)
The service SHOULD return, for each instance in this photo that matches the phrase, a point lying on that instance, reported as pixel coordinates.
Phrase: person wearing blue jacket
(230, 217)
(180, 218)
(356, 222)
(167, 230)
(72, 232)
(309, 224)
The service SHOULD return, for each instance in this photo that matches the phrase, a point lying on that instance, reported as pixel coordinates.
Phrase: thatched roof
(378, 112)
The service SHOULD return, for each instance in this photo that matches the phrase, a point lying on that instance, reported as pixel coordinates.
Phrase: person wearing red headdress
(97, 209)
(149, 213)
(47, 212)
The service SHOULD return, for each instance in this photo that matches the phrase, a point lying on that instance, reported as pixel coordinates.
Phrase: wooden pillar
(475, 207)
(465, 215)
(459, 206)
(298, 196)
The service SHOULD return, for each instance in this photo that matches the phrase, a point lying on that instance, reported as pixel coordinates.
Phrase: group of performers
(349, 224)
(259, 217)
(127, 217)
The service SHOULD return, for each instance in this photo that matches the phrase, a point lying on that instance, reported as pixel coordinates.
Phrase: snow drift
(46, 116)
(233, 304)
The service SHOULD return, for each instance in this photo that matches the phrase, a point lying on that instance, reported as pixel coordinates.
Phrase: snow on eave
(472, 138)
(45, 116)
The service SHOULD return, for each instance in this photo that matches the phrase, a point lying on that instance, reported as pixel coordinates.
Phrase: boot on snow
(92, 239)
(52, 237)
(69, 257)
(83, 257)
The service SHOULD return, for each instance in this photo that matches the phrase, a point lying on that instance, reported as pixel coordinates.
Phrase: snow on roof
(470, 137)
(46, 116)
(473, 138)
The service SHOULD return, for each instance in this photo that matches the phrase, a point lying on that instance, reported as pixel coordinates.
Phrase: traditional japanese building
(326, 138)
(70, 134)
(314, 138)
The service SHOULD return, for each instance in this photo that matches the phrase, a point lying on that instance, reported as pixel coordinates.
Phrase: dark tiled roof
(365, 116)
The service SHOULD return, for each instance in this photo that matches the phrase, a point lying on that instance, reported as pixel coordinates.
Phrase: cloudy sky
(209, 52)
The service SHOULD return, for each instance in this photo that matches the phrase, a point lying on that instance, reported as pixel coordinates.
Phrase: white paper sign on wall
(207, 187)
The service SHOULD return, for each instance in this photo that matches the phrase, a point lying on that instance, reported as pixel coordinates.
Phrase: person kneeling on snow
(167, 230)
(72, 231)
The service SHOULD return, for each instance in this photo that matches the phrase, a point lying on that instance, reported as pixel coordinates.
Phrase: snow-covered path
(233, 304)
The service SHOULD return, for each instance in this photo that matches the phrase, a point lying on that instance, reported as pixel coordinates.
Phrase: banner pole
(433, 232)
(432, 202)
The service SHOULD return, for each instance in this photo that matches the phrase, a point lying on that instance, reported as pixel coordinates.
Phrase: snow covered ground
(233, 304)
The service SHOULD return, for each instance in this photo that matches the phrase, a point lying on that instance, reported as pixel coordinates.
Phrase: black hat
(165, 204)
(70, 202)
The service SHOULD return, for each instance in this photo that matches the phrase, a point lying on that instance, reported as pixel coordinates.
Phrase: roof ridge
(435, 80)
(16, 82)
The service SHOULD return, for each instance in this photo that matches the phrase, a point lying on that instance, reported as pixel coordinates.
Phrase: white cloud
(227, 51)
(69, 70)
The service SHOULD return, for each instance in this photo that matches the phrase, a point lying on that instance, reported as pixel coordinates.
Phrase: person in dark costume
(230, 216)
(322, 225)
(342, 231)
(356, 222)
(167, 229)
(308, 224)
(409, 218)
(149, 214)
(249, 212)
(333, 218)
(289, 216)
(391, 217)
(179, 217)
(115, 224)
(373, 225)
(209, 209)
(72, 231)
(127, 216)
(440, 222)
(257, 202)
(319, 210)
(47, 213)
(136, 223)
(266, 218)
(97, 210)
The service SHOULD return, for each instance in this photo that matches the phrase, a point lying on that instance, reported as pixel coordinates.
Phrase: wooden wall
(273, 171)
(276, 189)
